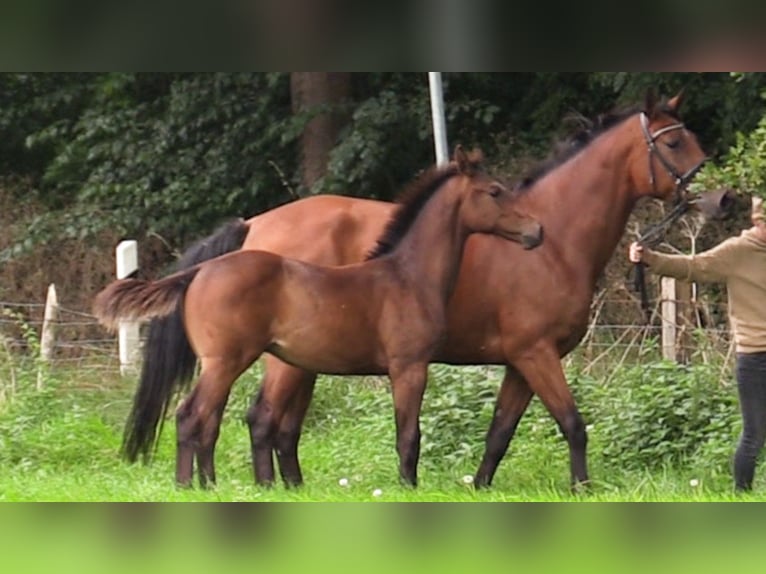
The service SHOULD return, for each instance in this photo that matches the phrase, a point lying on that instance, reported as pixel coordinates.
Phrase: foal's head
(669, 155)
(488, 204)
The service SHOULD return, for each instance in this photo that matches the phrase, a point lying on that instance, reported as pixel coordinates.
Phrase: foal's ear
(650, 102)
(468, 163)
(461, 159)
(675, 102)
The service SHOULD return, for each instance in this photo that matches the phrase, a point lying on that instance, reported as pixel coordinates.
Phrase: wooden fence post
(50, 318)
(48, 335)
(669, 316)
(127, 266)
(675, 310)
(684, 320)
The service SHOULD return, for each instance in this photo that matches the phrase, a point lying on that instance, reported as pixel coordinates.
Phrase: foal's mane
(412, 200)
(565, 149)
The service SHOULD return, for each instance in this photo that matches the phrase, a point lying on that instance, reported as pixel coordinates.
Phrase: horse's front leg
(408, 383)
(541, 368)
(275, 420)
(298, 386)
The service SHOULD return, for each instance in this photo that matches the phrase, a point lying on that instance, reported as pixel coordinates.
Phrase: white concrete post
(437, 116)
(128, 337)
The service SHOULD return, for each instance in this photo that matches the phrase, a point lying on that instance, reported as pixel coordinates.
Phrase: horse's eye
(495, 190)
(673, 144)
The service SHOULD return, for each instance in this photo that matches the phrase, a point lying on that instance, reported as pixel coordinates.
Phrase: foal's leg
(542, 370)
(206, 449)
(512, 400)
(408, 383)
(198, 419)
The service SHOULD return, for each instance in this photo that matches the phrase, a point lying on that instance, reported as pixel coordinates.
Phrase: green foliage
(62, 443)
(456, 413)
(654, 415)
(20, 372)
(385, 143)
(717, 105)
(743, 168)
(173, 154)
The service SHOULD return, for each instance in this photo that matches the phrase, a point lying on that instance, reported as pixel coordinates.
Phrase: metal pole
(437, 116)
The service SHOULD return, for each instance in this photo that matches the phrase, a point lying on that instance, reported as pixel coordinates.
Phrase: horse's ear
(675, 102)
(650, 102)
(461, 159)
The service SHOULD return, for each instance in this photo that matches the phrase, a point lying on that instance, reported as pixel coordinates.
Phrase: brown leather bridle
(655, 232)
(681, 179)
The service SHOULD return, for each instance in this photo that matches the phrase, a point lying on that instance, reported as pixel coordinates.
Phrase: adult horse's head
(670, 156)
(489, 207)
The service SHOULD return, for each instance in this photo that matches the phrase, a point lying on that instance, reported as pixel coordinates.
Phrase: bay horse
(522, 311)
(384, 315)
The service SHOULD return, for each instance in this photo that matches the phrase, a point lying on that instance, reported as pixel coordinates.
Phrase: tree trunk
(320, 92)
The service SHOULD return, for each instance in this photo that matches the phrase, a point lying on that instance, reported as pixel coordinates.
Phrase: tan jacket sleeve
(714, 265)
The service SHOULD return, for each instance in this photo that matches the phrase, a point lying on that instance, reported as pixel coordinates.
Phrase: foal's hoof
(408, 482)
(481, 483)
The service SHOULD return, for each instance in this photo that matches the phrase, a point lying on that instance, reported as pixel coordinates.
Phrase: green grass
(62, 444)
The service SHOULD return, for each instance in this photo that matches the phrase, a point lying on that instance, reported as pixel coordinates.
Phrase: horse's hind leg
(512, 400)
(289, 433)
(283, 399)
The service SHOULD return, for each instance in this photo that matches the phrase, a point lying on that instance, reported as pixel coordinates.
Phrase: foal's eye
(495, 190)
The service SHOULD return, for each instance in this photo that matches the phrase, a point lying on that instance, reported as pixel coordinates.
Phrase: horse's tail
(168, 359)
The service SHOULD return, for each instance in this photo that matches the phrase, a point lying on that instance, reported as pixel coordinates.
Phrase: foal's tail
(168, 359)
(133, 299)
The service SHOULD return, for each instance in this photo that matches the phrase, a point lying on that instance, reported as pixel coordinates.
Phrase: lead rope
(651, 237)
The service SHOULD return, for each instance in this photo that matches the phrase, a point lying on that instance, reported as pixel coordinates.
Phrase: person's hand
(636, 252)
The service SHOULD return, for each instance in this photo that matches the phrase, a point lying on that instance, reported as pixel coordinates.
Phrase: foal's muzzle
(533, 238)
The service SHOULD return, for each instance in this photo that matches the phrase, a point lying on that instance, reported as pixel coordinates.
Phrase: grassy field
(61, 444)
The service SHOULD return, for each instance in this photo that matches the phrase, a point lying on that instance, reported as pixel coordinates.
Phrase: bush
(660, 414)
(646, 416)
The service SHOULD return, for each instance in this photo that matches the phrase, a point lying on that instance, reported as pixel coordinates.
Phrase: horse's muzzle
(716, 205)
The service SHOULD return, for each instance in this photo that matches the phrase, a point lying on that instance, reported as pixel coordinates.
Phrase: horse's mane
(589, 130)
(411, 201)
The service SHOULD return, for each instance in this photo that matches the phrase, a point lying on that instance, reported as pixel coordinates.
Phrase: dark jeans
(751, 382)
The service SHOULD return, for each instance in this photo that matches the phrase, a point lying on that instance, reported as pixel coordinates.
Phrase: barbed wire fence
(82, 344)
